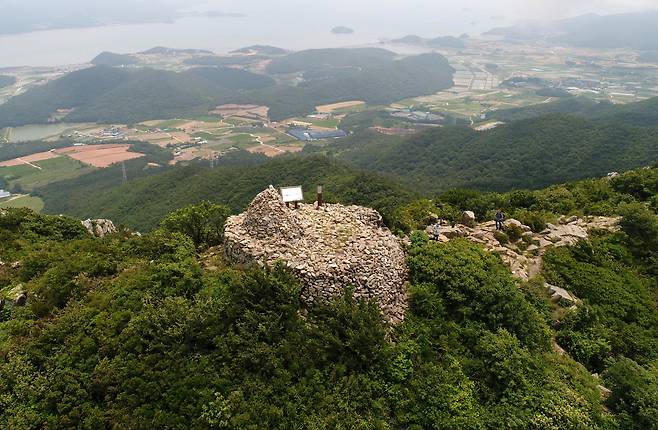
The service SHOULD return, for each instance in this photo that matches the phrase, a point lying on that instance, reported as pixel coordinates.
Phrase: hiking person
(500, 218)
(437, 229)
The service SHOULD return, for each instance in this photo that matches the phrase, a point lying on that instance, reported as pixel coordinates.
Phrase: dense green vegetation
(334, 57)
(120, 95)
(532, 153)
(130, 331)
(235, 79)
(638, 114)
(113, 60)
(334, 75)
(535, 208)
(142, 202)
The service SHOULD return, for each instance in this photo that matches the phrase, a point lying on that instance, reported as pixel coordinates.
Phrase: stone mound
(329, 249)
(99, 227)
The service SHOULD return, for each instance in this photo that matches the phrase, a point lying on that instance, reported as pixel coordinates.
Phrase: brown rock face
(329, 249)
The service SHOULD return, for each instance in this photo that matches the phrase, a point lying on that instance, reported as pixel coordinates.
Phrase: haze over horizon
(77, 30)
(62, 14)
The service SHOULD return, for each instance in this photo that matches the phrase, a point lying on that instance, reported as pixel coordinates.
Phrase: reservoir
(35, 132)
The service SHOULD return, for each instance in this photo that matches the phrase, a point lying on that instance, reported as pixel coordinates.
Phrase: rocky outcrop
(524, 257)
(99, 227)
(468, 219)
(329, 249)
(560, 295)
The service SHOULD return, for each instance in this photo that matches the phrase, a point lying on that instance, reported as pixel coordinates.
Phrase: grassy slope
(53, 170)
(30, 202)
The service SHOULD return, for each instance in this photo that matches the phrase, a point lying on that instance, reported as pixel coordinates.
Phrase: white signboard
(292, 194)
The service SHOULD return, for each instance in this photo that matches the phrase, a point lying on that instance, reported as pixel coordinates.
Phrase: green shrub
(203, 223)
(634, 394)
(501, 237)
(536, 220)
(514, 232)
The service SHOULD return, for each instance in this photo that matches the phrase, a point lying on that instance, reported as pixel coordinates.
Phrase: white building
(4, 194)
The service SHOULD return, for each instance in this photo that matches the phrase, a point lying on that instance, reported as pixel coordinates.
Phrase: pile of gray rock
(99, 227)
(328, 248)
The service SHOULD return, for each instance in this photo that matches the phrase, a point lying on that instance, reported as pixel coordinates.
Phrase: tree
(203, 223)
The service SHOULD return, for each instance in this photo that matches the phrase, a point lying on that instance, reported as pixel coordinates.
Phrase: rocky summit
(329, 249)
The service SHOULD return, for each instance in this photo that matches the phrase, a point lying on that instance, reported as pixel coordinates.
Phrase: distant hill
(161, 50)
(151, 94)
(372, 75)
(261, 49)
(225, 60)
(106, 94)
(649, 57)
(6, 81)
(113, 60)
(644, 113)
(531, 153)
(630, 30)
(333, 57)
(446, 42)
(437, 42)
(144, 201)
(342, 30)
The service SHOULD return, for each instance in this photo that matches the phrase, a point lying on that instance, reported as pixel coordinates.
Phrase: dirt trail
(260, 141)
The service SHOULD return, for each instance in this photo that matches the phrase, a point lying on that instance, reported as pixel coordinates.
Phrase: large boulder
(468, 219)
(329, 249)
(99, 227)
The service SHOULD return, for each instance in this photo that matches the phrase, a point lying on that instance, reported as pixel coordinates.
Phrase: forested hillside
(530, 154)
(643, 114)
(142, 202)
(146, 332)
(113, 60)
(526, 154)
(127, 95)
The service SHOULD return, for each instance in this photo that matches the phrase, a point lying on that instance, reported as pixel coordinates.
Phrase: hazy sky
(291, 24)
(510, 8)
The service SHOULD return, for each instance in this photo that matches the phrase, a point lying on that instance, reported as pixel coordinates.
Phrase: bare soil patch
(100, 155)
(336, 106)
(40, 156)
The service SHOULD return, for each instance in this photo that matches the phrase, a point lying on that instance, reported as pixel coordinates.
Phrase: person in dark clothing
(500, 218)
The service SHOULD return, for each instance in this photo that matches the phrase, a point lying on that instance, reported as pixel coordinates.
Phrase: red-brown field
(100, 155)
(40, 156)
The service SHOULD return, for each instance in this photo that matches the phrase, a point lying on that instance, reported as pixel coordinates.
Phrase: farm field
(100, 155)
(40, 156)
(330, 108)
(43, 172)
(30, 202)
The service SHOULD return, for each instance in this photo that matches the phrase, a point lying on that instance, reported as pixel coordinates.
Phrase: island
(342, 30)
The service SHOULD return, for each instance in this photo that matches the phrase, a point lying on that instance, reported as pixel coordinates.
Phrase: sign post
(292, 195)
(319, 196)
